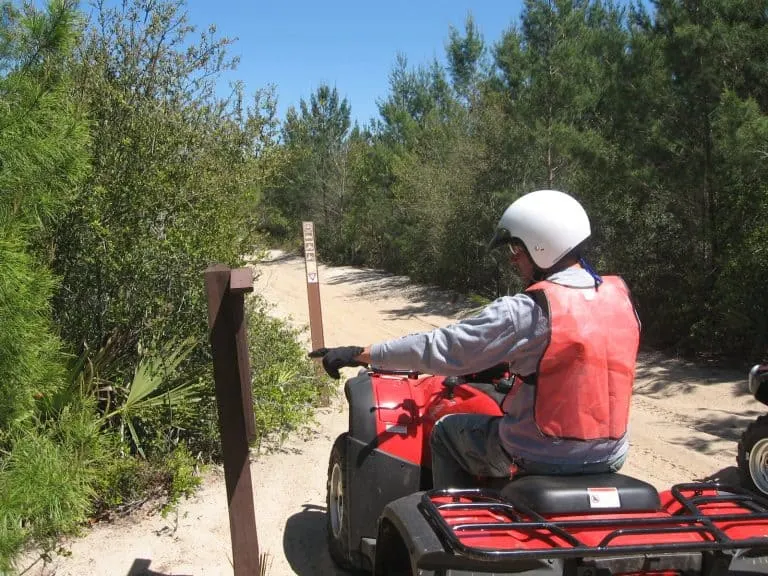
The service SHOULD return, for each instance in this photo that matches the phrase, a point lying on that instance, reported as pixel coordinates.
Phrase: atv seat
(583, 494)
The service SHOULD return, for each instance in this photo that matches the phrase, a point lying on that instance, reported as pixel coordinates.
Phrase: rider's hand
(335, 358)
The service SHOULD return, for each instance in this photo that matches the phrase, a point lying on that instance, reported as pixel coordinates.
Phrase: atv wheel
(752, 455)
(337, 515)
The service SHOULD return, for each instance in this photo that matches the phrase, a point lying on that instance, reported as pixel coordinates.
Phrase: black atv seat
(583, 494)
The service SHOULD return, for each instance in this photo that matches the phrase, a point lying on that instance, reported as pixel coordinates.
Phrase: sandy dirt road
(686, 420)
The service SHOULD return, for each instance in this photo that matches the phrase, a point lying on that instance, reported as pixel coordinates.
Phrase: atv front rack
(694, 517)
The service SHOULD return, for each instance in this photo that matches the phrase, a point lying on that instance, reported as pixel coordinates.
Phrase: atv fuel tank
(407, 409)
(398, 417)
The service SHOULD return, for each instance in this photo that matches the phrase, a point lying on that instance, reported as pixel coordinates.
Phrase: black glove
(335, 358)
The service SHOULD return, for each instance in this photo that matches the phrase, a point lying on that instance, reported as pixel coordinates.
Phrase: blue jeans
(465, 446)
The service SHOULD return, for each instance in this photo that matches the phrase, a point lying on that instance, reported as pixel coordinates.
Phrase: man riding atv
(570, 338)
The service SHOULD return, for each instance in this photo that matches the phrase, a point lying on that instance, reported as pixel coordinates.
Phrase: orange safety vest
(585, 376)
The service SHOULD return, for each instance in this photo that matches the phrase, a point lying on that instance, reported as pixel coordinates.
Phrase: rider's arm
(510, 329)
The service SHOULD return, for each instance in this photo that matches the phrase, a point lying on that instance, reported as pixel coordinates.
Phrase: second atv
(752, 454)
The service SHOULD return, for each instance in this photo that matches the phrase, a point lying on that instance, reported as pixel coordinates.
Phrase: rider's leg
(465, 446)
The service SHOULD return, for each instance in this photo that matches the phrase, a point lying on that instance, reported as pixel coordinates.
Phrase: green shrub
(29, 363)
(182, 477)
(286, 385)
(47, 484)
(130, 481)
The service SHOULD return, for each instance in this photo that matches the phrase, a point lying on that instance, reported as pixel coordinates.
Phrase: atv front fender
(362, 406)
(373, 477)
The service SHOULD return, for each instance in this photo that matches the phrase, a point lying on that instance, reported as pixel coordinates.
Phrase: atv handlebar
(408, 373)
(502, 382)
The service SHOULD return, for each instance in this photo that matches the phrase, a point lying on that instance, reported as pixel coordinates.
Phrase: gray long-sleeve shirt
(511, 329)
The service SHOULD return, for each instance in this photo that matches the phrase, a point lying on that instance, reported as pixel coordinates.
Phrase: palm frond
(153, 370)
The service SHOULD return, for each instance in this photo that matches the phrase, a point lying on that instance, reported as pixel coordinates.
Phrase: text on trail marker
(309, 251)
(313, 284)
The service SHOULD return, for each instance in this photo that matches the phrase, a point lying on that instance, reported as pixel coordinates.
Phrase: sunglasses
(515, 249)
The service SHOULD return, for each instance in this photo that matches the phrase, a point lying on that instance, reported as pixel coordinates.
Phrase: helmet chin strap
(588, 268)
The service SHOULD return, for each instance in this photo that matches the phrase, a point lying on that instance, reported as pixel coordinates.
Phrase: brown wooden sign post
(226, 290)
(313, 286)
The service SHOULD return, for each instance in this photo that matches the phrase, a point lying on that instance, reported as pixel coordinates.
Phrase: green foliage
(68, 465)
(127, 482)
(183, 477)
(739, 308)
(286, 386)
(46, 468)
(145, 391)
(42, 156)
(43, 492)
(43, 138)
(177, 172)
(313, 184)
(151, 406)
(29, 363)
(50, 477)
(464, 57)
(172, 184)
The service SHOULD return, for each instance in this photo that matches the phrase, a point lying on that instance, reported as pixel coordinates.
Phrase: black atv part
(752, 455)
(491, 374)
(337, 515)
(450, 383)
(758, 382)
(570, 494)
(495, 381)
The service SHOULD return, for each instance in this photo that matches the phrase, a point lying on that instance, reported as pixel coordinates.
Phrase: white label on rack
(396, 429)
(603, 498)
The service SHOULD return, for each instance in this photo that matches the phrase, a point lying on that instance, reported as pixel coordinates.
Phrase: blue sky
(351, 44)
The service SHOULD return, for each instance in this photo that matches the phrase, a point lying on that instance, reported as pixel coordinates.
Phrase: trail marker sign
(313, 285)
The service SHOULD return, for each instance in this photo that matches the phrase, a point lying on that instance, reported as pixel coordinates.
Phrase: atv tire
(337, 517)
(752, 455)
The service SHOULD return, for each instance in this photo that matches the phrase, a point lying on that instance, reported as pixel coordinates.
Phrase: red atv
(385, 517)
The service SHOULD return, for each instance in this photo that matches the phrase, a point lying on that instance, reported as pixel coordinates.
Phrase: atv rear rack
(694, 517)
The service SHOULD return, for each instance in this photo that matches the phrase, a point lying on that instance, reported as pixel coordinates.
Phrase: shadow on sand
(729, 475)
(140, 567)
(728, 427)
(275, 259)
(660, 376)
(304, 543)
(423, 300)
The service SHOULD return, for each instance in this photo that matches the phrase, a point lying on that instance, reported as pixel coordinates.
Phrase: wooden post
(225, 289)
(313, 286)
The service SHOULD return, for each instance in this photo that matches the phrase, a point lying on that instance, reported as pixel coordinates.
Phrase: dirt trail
(686, 421)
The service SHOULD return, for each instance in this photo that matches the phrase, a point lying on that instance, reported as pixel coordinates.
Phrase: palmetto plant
(154, 369)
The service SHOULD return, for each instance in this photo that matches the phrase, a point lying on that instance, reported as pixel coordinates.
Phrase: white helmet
(549, 223)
